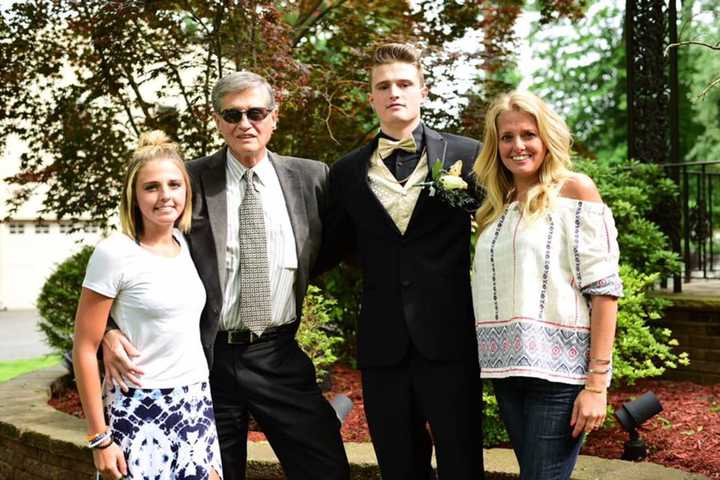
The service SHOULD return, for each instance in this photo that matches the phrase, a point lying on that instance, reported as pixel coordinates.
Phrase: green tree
(701, 80)
(81, 80)
(688, 67)
(584, 78)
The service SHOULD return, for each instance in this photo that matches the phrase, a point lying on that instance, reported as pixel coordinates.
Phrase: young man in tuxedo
(416, 335)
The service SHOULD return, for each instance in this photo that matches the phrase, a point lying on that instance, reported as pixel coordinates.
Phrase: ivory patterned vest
(399, 200)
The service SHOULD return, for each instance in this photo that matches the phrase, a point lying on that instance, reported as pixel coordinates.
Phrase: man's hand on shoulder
(117, 353)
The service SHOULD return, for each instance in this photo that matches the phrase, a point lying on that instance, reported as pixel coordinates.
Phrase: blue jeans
(537, 416)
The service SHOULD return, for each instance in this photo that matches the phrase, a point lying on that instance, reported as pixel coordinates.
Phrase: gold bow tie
(387, 146)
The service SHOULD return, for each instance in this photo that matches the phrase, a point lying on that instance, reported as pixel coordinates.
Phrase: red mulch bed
(685, 435)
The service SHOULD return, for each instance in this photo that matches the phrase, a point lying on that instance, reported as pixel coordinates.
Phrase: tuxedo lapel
(214, 183)
(436, 147)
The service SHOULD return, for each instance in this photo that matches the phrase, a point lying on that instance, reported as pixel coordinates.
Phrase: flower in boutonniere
(449, 182)
(449, 186)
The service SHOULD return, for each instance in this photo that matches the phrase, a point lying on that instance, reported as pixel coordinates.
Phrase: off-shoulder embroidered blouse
(531, 285)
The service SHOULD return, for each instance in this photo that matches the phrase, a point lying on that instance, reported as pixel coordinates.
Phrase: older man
(255, 236)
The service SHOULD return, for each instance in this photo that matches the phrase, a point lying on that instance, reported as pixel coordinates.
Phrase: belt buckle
(235, 337)
(241, 337)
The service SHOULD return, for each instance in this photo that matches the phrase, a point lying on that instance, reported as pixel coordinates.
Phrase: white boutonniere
(449, 186)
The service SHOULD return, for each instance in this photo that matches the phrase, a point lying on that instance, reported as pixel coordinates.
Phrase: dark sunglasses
(255, 114)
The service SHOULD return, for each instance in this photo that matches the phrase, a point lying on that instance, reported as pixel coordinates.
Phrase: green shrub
(318, 334)
(344, 284)
(58, 300)
(632, 190)
(642, 350)
(494, 432)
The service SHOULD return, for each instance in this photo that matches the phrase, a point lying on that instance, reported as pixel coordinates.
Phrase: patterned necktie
(255, 304)
(386, 146)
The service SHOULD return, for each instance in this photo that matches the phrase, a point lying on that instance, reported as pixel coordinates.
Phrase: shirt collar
(262, 169)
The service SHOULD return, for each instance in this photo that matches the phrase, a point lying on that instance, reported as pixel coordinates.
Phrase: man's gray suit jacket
(304, 185)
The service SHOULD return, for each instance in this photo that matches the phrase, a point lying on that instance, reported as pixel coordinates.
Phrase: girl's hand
(589, 412)
(110, 462)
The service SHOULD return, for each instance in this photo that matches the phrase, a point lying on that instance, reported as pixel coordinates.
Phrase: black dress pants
(275, 381)
(402, 400)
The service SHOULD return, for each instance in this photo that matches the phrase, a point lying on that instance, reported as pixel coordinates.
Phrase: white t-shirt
(157, 305)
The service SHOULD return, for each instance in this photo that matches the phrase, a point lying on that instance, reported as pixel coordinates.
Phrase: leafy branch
(713, 83)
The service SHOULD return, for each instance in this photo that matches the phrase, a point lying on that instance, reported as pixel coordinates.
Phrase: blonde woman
(144, 277)
(545, 286)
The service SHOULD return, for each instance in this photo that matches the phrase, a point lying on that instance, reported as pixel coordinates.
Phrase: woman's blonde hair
(152, 145)
(497, 180)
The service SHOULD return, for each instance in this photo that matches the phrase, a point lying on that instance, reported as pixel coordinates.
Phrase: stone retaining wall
(695, 323)
(36, 441)
(40, 443)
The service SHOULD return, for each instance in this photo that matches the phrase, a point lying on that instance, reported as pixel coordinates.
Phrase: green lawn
(14, 368)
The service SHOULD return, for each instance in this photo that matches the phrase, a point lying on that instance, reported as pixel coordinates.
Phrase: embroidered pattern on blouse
(492, 261)
(576, 245)
(532, 345)
(611, 286)
(546, 266)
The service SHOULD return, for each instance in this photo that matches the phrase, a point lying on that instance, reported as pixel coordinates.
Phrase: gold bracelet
(595, 390)
(599, 372)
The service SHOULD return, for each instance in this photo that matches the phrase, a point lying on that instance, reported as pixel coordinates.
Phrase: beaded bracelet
(99, 439)
(595, 390)
(93, 436)
(103, 447)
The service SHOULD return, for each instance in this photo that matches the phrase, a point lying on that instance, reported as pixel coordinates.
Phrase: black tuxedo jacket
(416, 286)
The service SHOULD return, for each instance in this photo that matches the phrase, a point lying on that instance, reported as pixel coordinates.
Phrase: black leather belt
(246, 337)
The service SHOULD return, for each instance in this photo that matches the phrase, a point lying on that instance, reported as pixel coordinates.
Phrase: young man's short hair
(397, 53)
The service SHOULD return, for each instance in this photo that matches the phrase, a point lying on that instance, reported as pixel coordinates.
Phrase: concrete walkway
(20, 336)
(696, 287)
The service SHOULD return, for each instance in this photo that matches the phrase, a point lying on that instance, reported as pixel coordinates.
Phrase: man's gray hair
(238, 82)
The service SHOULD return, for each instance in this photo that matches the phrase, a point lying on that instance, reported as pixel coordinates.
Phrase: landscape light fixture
(633, 414)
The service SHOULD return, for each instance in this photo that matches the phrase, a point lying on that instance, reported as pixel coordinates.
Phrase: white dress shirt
(282, 255)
